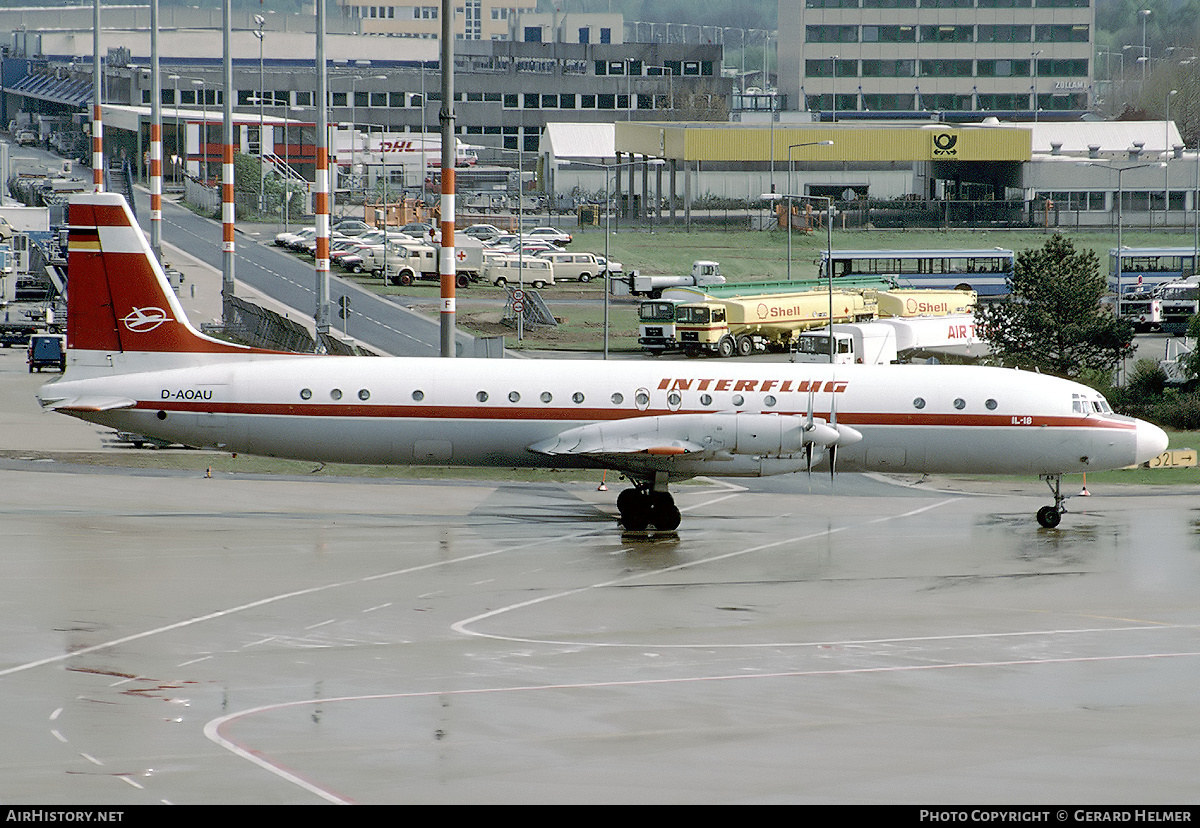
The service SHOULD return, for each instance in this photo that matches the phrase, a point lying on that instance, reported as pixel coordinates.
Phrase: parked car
(298, 239)
(351, 227)
(483, 232)
(581, 266)
(549, 234)
(288, 236)
(418, 230)
(612, 268)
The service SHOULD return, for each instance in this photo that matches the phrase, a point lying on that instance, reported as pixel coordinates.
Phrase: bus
(1145, 268)
(984, 271)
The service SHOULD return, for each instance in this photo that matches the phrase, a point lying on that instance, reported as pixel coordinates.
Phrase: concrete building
(962, 59)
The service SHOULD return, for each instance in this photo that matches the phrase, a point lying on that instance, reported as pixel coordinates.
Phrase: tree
(1054, 321)
(1191, 361)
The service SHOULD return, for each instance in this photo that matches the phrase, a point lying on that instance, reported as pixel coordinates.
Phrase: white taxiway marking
(213, 728)
(463, 626)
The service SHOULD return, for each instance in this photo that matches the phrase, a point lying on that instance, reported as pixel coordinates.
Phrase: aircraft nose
(1151, 441)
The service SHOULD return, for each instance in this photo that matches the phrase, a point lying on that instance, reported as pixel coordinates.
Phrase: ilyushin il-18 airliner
(136, 364)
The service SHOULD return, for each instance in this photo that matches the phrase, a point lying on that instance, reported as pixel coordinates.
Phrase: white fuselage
(913, 418)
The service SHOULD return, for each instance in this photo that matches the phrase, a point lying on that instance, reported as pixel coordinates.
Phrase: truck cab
(1178, 302)
(656, 326)
(869, 343)
(701, 327)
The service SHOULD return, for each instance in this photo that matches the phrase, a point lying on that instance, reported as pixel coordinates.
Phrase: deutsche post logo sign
(945, 144)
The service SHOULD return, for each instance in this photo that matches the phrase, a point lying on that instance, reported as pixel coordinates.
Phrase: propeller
(833, 424)
(808, 427)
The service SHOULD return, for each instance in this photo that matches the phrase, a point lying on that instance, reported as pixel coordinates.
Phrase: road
(381, 324)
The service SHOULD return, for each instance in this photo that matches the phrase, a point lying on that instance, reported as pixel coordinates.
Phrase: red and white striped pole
(156, 147)
(97, 122)
(227, 143)
(446, 269)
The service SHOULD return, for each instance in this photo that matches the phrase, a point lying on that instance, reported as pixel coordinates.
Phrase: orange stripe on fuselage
(428, 412)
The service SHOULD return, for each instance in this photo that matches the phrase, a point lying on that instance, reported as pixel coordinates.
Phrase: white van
(581, 266)
(506, 270)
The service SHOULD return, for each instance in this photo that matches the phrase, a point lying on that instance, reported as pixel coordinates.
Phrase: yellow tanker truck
(744, 324)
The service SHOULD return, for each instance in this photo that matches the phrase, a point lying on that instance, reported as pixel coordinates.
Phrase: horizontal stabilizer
(90, 404)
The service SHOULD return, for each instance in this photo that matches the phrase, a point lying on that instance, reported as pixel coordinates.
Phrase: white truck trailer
(703, 273)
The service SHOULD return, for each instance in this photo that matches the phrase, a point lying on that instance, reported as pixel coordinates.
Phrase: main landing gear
(649, 504)
(1051, 516)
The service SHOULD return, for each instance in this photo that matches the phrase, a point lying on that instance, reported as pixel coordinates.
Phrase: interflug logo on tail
(144, 320)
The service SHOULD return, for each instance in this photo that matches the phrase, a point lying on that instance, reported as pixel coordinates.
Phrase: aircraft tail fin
(119, 299)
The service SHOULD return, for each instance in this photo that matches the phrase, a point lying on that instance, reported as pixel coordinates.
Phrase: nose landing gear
(1051, 516)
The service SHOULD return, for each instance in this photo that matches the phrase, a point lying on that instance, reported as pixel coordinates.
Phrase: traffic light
(343, 306)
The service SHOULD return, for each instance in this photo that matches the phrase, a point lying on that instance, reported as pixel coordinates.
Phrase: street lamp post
(1120, 171)
(1166, 156)
(828, 246)
(1034, 65)
(1144, 14)
(789, 198)
(262, 175)
(608, 171)
(833, 86)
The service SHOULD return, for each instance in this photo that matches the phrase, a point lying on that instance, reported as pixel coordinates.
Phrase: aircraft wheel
(725, 347)
(635, 510)
(745, 346)
(1049, 517)
(663, 513)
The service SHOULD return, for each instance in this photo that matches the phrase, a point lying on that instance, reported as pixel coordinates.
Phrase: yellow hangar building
(674, 164)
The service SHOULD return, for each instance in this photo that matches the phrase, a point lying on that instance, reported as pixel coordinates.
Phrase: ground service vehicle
(47, 351)
(743, 325)
(703, 273)
(1179, 302)
(1142, 308)
(581, 266)
(903, 303)
(656, 326)
(867, 343)
(507, 270)
(984, 271)
(402, 263)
